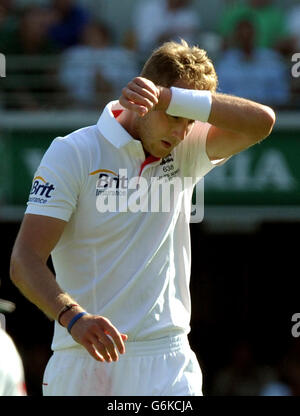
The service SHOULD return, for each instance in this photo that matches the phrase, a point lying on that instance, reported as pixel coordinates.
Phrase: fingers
(106, 349)
(116, 336)
(146, 84)
(101, 339)
(140, 95)
(93, 352)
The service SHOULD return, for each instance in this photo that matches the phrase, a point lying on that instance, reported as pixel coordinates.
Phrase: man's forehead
(181, 83)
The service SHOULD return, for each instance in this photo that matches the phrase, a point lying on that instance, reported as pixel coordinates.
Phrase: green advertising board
(265, 174)
(21, 152)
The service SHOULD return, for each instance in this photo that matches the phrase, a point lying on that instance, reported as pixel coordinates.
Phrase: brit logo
(109, 180)
(41, 190)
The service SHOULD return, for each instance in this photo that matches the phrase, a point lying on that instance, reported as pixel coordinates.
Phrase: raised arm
(236, 123)
(37, 237)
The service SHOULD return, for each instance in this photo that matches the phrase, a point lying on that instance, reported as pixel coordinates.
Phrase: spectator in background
(30, 66)
(8, 21)
(242, 376)
(69, 20)
(253, 72)
(293, 24)
(156, 21)
(269, 21)
(279, 385)
(290, 367)
(29, 36)
(95, 70)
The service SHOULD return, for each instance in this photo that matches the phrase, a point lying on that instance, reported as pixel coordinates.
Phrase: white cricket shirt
(12, 382)
(131, 267)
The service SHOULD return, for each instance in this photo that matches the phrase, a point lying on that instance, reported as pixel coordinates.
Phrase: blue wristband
(75, 319)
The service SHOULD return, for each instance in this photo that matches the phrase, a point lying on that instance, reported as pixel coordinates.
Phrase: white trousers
(162, 367)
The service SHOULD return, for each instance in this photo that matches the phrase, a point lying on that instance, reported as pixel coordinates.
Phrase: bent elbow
(14, 268)
(268, 123)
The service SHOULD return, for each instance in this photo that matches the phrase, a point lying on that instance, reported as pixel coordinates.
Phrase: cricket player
(120, 295)
(12, 377)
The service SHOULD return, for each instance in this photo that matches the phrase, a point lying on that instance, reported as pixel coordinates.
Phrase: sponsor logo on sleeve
(41, 190)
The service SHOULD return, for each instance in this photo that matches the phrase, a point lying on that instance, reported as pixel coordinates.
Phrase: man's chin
(160, 151)
(163, 151)
(161, 154)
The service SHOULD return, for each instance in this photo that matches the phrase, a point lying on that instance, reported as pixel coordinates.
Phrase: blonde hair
(174, 61)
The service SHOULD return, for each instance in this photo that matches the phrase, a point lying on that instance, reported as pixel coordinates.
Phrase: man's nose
(180, 130)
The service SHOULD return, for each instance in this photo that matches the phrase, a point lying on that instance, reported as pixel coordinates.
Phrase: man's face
(160, 132)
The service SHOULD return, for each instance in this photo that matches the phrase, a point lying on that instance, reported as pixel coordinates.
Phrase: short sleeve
(195, 161)
(57, 182)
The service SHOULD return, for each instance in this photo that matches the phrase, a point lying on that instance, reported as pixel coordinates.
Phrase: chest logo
(110, 180)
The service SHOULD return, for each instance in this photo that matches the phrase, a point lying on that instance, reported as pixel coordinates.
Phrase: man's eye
(190, 122)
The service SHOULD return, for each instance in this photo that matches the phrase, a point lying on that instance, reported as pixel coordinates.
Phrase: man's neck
(128, 119)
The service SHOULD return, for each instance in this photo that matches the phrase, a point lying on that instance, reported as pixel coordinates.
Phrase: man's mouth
(166, 144)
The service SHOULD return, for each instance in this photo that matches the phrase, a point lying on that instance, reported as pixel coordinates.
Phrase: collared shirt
(130, 263)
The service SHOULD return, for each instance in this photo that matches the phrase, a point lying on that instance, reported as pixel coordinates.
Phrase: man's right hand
(98, 336)
(37, 237)
(141, 96)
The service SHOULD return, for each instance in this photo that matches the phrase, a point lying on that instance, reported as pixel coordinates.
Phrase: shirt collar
(111, 129)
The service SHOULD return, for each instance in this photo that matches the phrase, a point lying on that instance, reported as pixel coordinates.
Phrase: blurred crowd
(245, 375)
(60, 54)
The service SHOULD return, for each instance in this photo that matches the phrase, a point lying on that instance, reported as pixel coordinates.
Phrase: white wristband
(191, 104)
